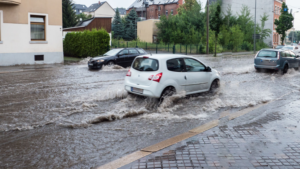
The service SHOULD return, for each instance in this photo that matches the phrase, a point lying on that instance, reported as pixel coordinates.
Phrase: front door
(177, 72)
(132, 55)
(122, 58)
(197, 78)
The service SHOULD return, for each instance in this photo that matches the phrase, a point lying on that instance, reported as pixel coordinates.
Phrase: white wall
(16, 42)
(105, 11)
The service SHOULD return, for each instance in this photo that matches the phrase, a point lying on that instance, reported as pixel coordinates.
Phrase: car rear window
(145, 64)
(267, 54)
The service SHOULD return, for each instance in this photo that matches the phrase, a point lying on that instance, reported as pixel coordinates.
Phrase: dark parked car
(122, 57)
(276, 59)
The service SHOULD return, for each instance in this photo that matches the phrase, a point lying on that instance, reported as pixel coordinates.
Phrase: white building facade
(31, 32)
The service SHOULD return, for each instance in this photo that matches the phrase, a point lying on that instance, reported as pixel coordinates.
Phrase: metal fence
(160, 47)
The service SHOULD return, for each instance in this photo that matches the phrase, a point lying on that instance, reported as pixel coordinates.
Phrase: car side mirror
(208, 69)
(297, 56)
(296, 48)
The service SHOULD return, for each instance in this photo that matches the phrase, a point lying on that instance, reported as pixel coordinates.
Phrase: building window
(80, 11)
(172, 12)
(38, 30)
(158, 16)
(159, 8)
(166, 12)
(75, 10)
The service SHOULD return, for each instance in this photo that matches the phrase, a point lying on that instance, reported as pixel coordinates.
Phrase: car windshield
(112, 52)
(267, 54)
(279, 47)
(145, 64)
(288, 48)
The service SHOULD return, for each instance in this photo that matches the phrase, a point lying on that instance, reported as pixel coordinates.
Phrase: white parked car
(294, 49)
(160, 75)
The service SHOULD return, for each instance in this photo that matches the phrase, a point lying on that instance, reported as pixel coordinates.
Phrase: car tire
(215, 86)
(111, 63)
(285, 69)
(258, 69)
(169, 91)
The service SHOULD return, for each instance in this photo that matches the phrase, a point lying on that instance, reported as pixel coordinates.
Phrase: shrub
(86, 43)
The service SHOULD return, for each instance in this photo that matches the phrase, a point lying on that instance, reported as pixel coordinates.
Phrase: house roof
(84, 23)
(94, 7)
(140, 3)
(79, 6)
(121, 10)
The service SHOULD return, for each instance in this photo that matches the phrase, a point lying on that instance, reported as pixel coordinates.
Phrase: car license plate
(90, 64)
(136, 90)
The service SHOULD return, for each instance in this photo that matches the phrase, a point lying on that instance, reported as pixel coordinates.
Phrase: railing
(160, 47)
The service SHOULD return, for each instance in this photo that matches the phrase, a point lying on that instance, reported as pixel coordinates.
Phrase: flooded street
(67, 116)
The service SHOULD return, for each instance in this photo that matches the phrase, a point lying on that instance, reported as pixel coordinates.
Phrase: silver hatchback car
(276, 59)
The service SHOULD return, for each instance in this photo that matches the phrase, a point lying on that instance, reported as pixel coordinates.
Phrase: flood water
(66, 116)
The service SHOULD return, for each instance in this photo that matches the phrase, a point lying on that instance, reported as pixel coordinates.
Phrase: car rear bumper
(154, 90)
(277, 67)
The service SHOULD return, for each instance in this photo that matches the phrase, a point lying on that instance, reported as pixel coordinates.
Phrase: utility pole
(255, 31)
(207, 26)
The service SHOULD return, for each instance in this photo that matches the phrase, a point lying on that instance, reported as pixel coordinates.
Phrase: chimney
(99, 2)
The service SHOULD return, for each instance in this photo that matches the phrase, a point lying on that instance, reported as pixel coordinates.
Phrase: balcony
(10, 1)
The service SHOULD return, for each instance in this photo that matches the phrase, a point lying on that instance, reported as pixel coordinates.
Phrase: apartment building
(79, 8)
(277, 9)
(154, 9)
(30, 32)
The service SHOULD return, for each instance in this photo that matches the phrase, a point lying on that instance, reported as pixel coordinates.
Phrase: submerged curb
(171, 141)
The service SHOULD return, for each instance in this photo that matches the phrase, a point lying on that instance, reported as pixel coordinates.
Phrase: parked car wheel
(258, 69)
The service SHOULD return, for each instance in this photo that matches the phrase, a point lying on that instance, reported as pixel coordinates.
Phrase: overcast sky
(293, 4)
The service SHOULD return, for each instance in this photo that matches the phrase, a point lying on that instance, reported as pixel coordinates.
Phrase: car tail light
(150, 77)
(128, 73)
(157, 77)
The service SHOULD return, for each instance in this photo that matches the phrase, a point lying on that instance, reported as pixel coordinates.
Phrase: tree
(264, 33)
(118, 26)
(69, 16)
(285, 22)
(237, 37)
(131, 25)
(187, 6)
(83, 17)
(215, 24)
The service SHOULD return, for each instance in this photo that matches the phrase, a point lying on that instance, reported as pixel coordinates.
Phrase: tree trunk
(216, 46)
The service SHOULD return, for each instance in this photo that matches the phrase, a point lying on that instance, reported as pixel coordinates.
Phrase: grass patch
(71, 59)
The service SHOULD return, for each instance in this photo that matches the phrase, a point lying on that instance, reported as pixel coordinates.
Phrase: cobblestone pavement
(261, 139)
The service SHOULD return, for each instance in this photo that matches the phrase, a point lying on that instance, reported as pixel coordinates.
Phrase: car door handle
(185, 77)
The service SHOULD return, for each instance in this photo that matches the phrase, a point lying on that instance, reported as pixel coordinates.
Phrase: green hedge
(86, 43)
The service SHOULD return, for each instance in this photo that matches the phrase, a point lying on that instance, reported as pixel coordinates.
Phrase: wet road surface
(66, 116)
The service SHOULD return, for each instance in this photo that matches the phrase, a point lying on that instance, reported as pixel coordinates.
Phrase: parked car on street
(276, 59)
(295, 49)
(163, 75)
(122, 57)
(279, 46)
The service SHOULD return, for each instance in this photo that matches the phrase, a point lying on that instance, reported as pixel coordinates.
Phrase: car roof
(166, 56)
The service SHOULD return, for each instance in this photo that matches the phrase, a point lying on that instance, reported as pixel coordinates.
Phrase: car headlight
(100, 60)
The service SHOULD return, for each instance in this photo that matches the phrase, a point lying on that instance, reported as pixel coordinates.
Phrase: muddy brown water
(71, 117)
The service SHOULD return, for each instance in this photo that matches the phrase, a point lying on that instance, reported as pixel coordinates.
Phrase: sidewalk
(264, 137)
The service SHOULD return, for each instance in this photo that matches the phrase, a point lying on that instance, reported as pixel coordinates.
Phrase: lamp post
(294, 26)
(255, 30)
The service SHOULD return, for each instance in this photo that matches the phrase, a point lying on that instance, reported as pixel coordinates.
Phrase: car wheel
(258, 69)
(169, 91)
(110, 63)
(285, 69)
(215, 85)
